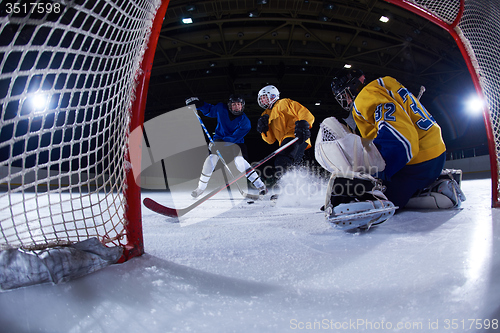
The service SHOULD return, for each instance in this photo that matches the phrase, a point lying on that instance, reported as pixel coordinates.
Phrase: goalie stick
(243, 193)
(173, 212)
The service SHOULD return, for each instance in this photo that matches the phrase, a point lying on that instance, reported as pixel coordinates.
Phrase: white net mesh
(67, 75)
(444, 9)
(479, 30)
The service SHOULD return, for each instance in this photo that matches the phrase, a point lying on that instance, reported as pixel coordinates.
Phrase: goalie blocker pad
(338, 150)
(356, 200)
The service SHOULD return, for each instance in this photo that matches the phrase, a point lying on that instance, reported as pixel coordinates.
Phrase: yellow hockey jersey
(401, 128)
(282, 118)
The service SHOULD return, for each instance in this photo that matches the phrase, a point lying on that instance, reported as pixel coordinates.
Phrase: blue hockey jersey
(227, 130)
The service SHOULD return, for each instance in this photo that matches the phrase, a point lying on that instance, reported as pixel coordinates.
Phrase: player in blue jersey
(232, 127)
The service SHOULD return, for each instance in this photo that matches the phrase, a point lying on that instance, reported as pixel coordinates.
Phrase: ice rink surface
(230, 266)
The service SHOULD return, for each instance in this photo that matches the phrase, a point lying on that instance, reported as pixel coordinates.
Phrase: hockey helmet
(233, 102)
(346, 85)
(268, 96)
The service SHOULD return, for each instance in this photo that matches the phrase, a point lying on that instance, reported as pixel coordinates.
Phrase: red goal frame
(133, 212)
(450, 28)
(135, 246)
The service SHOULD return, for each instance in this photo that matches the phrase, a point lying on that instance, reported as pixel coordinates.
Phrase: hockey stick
(421, 92)
(244, 194)
(173, 212)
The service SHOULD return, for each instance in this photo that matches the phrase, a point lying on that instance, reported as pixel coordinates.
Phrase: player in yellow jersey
(282, 121)
(400, 143)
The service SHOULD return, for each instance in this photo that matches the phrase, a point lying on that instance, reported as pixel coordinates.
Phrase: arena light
(383, 19)
(187, 20)
(347, 66)
(328, 6)
(474, 104)
(38, 102)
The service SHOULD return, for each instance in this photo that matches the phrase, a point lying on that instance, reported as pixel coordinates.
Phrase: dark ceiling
(297, 45)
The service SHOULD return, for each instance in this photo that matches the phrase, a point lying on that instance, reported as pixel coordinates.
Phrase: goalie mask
(346, 85)
(236, 104)
(268, 96)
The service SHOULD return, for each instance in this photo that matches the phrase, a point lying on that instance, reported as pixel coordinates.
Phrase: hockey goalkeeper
(396, 162)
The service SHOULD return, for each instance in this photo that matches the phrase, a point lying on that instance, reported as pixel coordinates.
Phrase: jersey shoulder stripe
(356, 111)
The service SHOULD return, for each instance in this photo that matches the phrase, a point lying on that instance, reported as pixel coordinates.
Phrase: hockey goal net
(72, 78)
(475, 26)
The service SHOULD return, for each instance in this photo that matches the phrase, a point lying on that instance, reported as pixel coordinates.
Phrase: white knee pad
(253, 177)
(209, 165)
(339, 151)
(241, 163)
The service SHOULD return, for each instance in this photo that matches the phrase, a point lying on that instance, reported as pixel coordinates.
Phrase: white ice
(282, 268)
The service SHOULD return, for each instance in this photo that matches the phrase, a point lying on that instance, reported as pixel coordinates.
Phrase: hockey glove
(302, 131)
(194, 100)
(263, 124)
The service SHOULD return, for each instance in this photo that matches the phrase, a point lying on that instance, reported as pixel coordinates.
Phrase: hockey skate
(444, 193)
(197, 192)
(262, 190)
(356, 200)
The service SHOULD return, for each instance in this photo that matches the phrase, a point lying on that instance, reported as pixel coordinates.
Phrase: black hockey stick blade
(173, 212)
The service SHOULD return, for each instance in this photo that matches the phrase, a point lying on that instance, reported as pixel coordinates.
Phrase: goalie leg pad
(444, 193)
(433, 200)
(361, 214)
(356, 200)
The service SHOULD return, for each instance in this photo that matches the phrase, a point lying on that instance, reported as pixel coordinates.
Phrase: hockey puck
(250, 202)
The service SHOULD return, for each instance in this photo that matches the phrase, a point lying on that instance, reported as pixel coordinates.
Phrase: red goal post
(475, 26)
(73, 83)
(135, 246)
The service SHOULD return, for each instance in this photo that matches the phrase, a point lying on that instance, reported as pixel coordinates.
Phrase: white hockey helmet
(268, 96)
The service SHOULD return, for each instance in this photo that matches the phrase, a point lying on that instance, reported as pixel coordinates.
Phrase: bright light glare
(187, 20)
(475, 105)
(347, 66)
(384, 19)
(39, 103)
